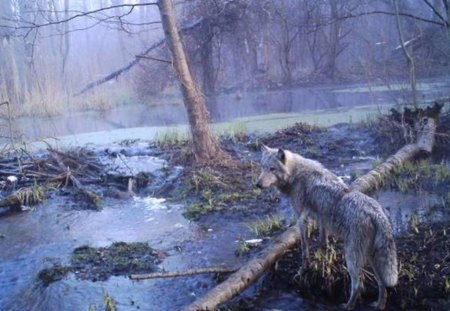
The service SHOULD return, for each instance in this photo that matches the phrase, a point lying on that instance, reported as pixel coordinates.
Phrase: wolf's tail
(385, 253)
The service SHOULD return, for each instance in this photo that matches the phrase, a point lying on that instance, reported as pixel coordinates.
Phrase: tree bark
(424, 144)
(249, 273)
(206, 147)
(255, 268)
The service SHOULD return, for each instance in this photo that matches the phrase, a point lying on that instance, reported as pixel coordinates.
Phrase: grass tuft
(267, 225)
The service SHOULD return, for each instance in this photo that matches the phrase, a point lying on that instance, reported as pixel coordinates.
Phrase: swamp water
(47, 235)
(262, 111)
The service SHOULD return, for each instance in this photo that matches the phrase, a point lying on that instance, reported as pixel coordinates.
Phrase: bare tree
(206, 147)
(408, 55)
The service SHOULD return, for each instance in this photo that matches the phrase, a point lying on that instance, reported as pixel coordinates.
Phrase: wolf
(352, 216)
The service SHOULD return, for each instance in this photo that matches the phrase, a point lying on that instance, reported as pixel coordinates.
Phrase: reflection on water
(228, 107)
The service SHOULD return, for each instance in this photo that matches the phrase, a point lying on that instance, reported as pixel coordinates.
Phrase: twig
(154, 58)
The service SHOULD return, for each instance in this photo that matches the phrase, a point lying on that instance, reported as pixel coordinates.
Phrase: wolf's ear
(264, 148)
(281, 155)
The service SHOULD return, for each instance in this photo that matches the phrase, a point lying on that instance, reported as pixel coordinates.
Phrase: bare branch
(419, 18)
(154, 58)
(436, 12)
(117, 73)
(31, 25)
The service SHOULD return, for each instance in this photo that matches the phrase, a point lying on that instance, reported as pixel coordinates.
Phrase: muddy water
(405, 209)
(48, 234)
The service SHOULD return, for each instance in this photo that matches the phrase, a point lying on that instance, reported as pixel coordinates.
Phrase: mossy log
(255, 268)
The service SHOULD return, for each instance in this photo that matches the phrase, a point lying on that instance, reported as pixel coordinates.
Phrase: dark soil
(424, 273)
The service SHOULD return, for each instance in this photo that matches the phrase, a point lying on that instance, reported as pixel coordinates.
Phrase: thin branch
(419, 18)
(436, 12)
(33, 25)
(154, 58)
(157, 275)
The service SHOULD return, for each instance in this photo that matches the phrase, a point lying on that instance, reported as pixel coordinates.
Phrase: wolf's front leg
(302, 224)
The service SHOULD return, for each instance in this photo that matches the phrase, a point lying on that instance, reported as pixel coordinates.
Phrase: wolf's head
(274, 168)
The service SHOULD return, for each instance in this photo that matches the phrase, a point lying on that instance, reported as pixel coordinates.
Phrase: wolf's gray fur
(352, 216)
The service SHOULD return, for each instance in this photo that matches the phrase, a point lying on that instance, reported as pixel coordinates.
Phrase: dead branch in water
(158, 275)
(91, 197)
(255, 268)
(36, 176)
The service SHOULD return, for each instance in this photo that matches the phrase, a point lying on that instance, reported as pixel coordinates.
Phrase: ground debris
(424, 273)
(79, 171)
(98, 264)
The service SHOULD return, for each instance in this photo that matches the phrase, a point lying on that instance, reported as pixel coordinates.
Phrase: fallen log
(255, 268)
(374, 179)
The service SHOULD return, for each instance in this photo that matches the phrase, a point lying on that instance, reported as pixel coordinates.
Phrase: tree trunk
(66, 45)
(334, 40)
(255, 268)
(408, 55)
(206, 147)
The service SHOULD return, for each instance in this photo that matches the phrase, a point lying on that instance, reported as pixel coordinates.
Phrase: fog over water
(249, 58)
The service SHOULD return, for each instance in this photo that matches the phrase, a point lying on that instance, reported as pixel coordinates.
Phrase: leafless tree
(206, 147)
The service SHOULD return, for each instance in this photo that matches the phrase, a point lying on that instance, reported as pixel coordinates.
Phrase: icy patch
(254, 241)
(152, 203)
(132, 165)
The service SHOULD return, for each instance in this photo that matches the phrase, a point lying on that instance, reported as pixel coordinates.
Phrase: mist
(63, 58)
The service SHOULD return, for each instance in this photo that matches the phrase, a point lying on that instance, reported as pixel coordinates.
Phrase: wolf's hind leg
(354, 269)
(382, 294)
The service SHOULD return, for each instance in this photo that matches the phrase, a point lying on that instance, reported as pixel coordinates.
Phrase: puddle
(407, 210)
